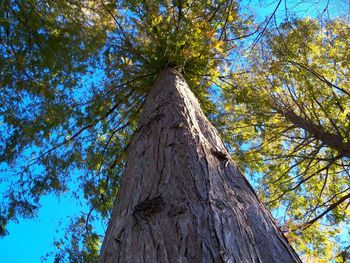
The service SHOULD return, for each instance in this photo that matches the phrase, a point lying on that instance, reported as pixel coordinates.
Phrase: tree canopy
(74, 76)
(291, 104)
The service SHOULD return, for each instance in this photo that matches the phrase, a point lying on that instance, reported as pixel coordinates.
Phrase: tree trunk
(182, 198)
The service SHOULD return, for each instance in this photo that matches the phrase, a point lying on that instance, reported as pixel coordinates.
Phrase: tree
(291, 103)
(74, 77)
(182, 197)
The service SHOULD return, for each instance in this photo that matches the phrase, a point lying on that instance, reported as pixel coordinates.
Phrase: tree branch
(330, 208)
(330, 139)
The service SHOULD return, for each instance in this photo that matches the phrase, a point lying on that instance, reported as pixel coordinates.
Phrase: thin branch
(330, 208)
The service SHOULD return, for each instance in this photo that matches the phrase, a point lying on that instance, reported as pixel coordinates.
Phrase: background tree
(74, 76)
(288, 117)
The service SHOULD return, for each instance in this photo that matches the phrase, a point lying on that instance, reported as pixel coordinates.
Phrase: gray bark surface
(182, 198)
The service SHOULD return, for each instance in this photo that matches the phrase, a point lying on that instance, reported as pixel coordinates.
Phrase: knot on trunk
(221, 156)
(149, 207)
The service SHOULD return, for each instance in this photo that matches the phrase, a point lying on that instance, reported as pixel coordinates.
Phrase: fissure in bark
(182, 198)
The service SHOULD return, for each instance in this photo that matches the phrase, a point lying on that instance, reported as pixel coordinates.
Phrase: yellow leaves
(231, 17)
(227, 107)
(275, 119)
(219, 46)
(214, 72)
(157, 19)
(127, 61)
(55, 32)
(101, 138)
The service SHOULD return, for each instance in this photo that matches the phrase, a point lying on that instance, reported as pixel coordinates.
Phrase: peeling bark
(183, 199)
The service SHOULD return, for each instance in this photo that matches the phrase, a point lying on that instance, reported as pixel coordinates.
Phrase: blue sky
(32, 238)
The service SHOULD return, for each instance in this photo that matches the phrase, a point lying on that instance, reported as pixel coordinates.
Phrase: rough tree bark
(182, 198)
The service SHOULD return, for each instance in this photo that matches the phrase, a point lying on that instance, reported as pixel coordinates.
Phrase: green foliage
(287, 117)
(48, 50)
(78, 244)
(192, 36)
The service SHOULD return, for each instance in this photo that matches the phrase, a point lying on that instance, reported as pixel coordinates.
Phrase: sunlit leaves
(290, 125)
(189, 35)
(46, 47)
